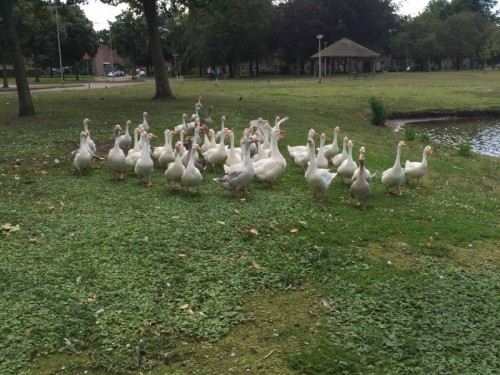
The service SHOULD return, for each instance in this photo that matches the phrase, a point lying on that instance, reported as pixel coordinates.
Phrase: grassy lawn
(102, 277)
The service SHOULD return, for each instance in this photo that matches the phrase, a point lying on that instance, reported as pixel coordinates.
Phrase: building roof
(345, 48)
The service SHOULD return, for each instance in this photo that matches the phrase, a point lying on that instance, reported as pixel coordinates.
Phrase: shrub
(380, 110)
(464, 148)
(424, 138)
(409, 133)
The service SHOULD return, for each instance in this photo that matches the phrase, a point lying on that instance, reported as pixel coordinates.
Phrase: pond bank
(397, 119)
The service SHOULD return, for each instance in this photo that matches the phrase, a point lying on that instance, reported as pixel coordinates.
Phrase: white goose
(83, 157)
(125, 139)
(192, 176)
(339, 158)
(168, 155)
(216, 156)
(206, 140)
(293, 150)
(239, 175)
(368, 175)
(187, 155)
(90, 143)
(116, 158)
(135, 153)
(157, 151)
(144, 165)
(196, 115)
(393, 177)
(417, 169)
(183, 126)
(233, 157)
(360, 188)
(198, 103)
(319, 180)
(175, 169)
(321, 159)
(348, 166)
(144, 124)
(269, 169)
(333, 149)
(261, 153)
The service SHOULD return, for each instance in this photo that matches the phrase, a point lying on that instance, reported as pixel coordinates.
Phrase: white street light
(112, 54)
(319, 55)
(61, 71)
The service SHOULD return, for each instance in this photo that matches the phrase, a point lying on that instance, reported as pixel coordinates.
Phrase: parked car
(117, 73)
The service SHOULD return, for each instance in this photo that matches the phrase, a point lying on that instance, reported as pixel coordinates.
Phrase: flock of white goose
(257, 157)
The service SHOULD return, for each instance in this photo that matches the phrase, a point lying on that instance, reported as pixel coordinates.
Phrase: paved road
(99, 83)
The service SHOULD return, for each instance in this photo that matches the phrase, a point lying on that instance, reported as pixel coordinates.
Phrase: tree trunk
(77, 71)
(163, 90)
(23, 91)
(6, 78)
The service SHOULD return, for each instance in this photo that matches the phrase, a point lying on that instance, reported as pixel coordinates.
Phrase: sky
(100, 13)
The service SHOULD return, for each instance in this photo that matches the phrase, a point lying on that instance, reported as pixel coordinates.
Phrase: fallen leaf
(11, 228)
(34, 240)
(181, 255)
(242, 257)
(294, 230)
(184, 307)
(254, 231)
(190, 311)
(256, 265)
(91, 298)
(221, 223)
(324, 303)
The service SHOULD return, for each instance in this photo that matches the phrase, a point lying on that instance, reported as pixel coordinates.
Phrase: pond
(483, 134)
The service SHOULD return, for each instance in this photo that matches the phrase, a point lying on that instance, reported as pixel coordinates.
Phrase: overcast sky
(100, 13)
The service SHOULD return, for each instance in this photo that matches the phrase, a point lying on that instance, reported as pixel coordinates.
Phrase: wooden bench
(354, 75)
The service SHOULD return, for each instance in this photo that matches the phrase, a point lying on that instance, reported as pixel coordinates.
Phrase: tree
(23, 91)
(150, 10)
(78, 36)
(129, 37)
(491, 49)
(463, 35)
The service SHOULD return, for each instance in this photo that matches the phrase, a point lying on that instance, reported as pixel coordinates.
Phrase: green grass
(113, 277)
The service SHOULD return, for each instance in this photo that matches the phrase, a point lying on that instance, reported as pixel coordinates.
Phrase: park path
(99, 83)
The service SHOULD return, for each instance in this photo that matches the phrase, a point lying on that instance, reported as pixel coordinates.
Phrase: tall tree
(129, 37)
(150, 10)
(463, 35)
(26, 107)
(79, 36)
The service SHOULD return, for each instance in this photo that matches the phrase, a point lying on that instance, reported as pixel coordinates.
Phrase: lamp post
(324, 46)
(319, 55)
(61, 71)
(112, 54)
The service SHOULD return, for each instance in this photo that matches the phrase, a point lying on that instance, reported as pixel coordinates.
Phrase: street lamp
(324, 47)
(112, 54)
(319, 55)
(61, 71)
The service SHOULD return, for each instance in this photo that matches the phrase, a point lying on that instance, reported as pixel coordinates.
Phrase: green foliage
(410, 134)
(424, 138)
(380, 110)
(464, 148)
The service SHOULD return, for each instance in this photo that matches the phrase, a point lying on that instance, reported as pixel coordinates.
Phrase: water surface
(482, 134)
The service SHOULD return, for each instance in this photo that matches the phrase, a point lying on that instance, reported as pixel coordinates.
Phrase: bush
(464, 148)
(380, 110)
(409, 133)
(424, 138)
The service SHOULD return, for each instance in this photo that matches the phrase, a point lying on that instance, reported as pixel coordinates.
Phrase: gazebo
(351, 56)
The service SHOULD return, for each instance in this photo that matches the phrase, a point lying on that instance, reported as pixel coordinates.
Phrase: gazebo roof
(345, 48)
